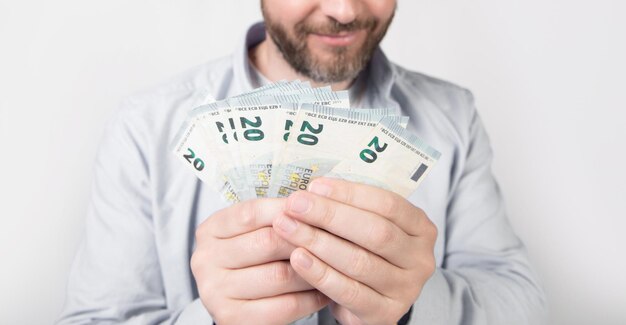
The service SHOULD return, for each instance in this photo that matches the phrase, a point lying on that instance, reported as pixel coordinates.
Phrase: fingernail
(287, 224)
(319, 188)
(299, 204)
(304, 260)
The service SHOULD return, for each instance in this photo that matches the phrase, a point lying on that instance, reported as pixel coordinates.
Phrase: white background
(548, 75)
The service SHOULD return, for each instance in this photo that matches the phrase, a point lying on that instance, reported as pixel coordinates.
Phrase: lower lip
(336, 40)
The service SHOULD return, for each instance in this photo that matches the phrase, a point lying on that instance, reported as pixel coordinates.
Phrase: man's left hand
(367, 249)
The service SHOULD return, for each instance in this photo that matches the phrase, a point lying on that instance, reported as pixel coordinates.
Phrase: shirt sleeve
(485, 276)
(116, 275)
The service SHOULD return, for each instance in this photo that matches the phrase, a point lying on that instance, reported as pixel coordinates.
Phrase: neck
(267, 58)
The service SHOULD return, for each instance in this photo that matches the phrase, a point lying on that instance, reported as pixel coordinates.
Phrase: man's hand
(241, 268)
(367, 249)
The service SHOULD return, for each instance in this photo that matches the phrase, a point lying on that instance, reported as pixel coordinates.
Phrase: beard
(344, 62)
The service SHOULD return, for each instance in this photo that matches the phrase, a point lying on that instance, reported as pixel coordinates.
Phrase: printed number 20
(197, 163)
(368, 155)
(309, 139)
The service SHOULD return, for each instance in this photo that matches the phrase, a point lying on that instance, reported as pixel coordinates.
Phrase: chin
(328, 54)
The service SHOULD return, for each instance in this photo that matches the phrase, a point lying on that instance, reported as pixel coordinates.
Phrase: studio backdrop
(548, 77)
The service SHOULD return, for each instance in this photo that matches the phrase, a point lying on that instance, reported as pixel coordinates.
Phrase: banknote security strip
(276, 139)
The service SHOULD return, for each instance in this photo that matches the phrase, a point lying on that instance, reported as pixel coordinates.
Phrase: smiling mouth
(339, 39)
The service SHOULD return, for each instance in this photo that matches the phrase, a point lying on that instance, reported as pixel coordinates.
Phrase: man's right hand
(242, 269)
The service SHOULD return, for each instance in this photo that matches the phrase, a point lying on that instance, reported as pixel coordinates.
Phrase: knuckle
(425, 267)
(204, 288)
(194, 262)
(199, 260)
(382, 236)
(430, 266)
(201, 231)
(419, 211)
(359, 264)
(281, 273)
(247, 217)
(266, 240)
(390, 204)
(348, 194)
(323, 279)
(328, 214)
(314, 240)
(432, 230)
(291, 305)
(207, 290)
(350, 295)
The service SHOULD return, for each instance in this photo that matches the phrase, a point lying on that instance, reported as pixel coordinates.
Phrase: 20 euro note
(193, 148)
(213, 131)
(288, 115)
(258, 119)
(197, 148)
(233, 128)
(243, 124)
(320, 139)
(389, 157)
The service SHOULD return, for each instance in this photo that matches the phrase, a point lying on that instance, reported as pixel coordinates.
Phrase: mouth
(339, 39)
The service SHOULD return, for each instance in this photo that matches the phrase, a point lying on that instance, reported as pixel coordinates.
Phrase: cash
(276, 139)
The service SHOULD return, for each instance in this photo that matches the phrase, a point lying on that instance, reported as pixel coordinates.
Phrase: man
(339, 252)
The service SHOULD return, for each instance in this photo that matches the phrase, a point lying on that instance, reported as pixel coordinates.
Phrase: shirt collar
(379, 75)
(241, 64)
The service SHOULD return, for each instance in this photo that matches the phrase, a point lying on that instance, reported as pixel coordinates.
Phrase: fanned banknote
(254, 141)
(275, 139)
(319, 140)
(389, 157)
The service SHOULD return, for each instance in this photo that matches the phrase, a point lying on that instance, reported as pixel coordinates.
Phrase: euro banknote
(274, 140)
(389, 157)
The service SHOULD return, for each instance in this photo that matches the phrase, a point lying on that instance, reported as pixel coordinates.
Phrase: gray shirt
(133, 264)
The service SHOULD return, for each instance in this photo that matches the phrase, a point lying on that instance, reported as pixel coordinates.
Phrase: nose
(343, 11)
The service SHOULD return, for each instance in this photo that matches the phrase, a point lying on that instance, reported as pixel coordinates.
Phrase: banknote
(274, 140)
(194, 148)
(255, 139)
(211, 133)
(389, 157)
(320, 139)
(198, 149)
